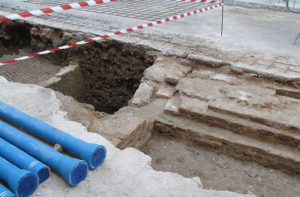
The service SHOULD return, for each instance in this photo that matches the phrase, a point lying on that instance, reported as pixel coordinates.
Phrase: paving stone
(206, 60)
(236, 70)
(172, 105)
(192, 105)
(199, 88)
(291, 75)
(165, 91)
(294, 68)
(249, 59)
(267, 62)
(228, 79)
(143, 94)
(234, 56)
(277, 114)
(121, 129)
(289, 92)
(280, 66)
(202, 74)
(166, 69)
(248, 100)
(288, 60)
(277, 70)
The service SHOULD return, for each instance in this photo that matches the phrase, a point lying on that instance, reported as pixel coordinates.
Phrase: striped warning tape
(58, 8)
(125, 31)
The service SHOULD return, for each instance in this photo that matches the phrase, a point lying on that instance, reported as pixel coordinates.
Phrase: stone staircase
(244, 118)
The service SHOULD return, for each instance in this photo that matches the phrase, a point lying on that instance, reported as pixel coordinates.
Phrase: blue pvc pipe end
(41, 170)
(79, 173)
(97, 156)
(4, 192)
(43, 174)
(74, 171)
(24, 183)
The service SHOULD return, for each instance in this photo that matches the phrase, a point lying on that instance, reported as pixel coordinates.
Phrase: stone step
(239, 146)
(292, 125)
(256, 102)
(200, 111)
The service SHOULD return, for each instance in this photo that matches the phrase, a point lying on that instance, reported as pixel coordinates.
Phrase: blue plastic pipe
(93, 154)
(23, 160)
(4, 192)
(73, 170)
(22, 182)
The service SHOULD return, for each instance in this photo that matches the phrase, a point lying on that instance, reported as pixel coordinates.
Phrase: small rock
(225, 78)
(252, 174)
(142, 95)
(166, 69)
(202, 74)
(172, 105)
(58, 148)
(165, 91)
(194, 105)
(296, 84)
(237, 71)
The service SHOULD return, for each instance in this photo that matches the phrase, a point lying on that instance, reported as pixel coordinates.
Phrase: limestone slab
(143, 94)
(165, 91)
(166, 69)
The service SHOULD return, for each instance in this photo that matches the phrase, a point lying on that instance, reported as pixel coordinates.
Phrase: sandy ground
(218, 171)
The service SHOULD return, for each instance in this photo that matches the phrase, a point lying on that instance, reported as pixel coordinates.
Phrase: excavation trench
(107, 75)
(108, 72)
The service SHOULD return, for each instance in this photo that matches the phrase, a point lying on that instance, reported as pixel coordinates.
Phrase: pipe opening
(27, 185)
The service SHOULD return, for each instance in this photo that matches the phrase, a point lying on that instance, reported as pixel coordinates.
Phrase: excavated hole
(13, 36)
(109, 72)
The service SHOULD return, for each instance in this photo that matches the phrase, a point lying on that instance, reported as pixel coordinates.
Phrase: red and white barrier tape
(197, 1)
(58, 8)
(125, 31)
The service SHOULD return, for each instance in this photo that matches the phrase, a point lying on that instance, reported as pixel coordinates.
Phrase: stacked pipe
(4, 192)
(25, 161)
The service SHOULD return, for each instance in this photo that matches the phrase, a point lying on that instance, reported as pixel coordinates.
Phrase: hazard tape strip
(125, 31)
(58, 8)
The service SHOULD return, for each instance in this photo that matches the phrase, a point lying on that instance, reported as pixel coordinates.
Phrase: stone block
(289, 60)
(234, 56)
(165, 91)
(121, 129)
(172, 105)
(202, 74)
(248, 59)
(166, 69)
(190, 105)
(294, 68)
(228, 79)
(266, 62)
(142, 95)
(200, 88)
(205, 60)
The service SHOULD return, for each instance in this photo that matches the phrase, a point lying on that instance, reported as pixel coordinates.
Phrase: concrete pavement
(250, 35)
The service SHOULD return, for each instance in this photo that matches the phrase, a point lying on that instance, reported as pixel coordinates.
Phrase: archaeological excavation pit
(191, 117)
(107, 73)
